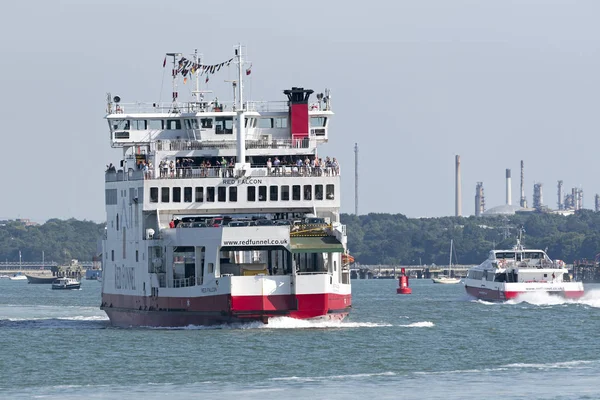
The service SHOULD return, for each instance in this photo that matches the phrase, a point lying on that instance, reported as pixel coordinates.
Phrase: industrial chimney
(523, 202)
(508, 185)
(458, 199)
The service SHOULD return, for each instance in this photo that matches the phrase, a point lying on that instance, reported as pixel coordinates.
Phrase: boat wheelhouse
(508, 273)
(221, 212)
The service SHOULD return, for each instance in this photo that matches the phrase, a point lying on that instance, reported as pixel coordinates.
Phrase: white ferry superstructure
(507, 274)
(210, 217)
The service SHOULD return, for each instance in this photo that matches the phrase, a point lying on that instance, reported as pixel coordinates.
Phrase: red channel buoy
(403, 282)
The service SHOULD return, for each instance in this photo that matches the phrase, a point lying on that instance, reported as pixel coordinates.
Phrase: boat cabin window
(156, 124)
(223, 125)
(296, 192)
(120, 124)
(318, 192)
(199, 194)
(177, 195)
(232, 193)
(139, 124)
(262, 193)
(191, 124)
(206, 123)
(251, 193)
(187, 194)
(318, 122)
(273, 192)
(173, 124)
(505, 255)
(210, 194)
(153, 195)
(280, 122)
(164, 195)
(307, 192)
(222, 193)
(265, 123)
(330, 192)
(285, 193)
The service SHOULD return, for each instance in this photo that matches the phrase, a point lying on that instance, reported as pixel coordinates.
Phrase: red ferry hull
(138, 311)
(498, 295)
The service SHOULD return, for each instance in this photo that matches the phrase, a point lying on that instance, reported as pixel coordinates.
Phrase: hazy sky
(413, 82)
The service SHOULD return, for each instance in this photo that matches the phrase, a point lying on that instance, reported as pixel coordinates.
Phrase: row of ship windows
(253, 193)
(221, 124)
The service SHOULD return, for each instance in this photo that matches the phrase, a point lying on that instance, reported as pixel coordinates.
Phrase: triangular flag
(249, 70)
(184, 80)
(165, 62)
(206, 81)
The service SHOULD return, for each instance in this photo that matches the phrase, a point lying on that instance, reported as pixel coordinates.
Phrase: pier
(10, 267)
(413, 271)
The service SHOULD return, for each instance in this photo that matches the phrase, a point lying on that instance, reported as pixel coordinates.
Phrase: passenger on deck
(172, 224)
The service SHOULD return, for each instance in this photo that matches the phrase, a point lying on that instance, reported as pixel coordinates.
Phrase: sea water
(436, 343)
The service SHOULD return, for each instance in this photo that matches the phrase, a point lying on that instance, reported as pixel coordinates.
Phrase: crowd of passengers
(188, 167)
(199, 222)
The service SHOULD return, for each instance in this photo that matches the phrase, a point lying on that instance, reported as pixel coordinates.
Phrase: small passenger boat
(66, 283)
(509, 273)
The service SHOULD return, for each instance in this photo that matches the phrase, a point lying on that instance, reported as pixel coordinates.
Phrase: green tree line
(394, 239)
(59, 240)
(391, 239)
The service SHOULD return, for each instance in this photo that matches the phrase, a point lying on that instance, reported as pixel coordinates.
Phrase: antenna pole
(355, 178)
(174, 77)
(197, 62)
(241, 133)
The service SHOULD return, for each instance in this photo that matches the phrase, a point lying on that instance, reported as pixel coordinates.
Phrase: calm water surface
(434, 344)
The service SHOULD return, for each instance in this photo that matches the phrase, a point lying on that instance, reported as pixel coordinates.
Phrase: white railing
(195, 107)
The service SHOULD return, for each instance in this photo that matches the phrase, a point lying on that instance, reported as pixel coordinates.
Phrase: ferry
(222, 212)
(507, 274)
(66, 284)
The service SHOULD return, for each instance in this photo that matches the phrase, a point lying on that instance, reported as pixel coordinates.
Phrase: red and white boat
(507, 274)
(213, 213)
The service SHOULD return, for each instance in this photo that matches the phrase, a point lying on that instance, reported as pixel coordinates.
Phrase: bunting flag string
(185, 67)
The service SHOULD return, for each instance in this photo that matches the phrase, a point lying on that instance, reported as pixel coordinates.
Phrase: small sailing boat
(447, 279)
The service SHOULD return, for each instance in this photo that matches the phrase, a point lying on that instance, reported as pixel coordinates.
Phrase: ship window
(199, 194)
(210, 194)
(251, 193)
(307, 192)
(224, 125)
(330, 192)
(191, 124)
(281, 122)
(177, 195)
(318, 122)
(153, 195)
(117, 221)
(232, 193)
(187, 194)
(155, 124)
(273, 191)
(110, 196)
(137, 256)
(120, 124)
(246, 122)
(122, 135)
(222, 193)
(285, 193)
(265, 123)
(262, 193)
(164, 195)
(318, 192)
(139, 124)
(296, 192)
(206, 123)
(112, 255)
(173, 124)
(211, 268)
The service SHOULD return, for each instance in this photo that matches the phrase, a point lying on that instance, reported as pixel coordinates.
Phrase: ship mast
(241, 133)
(174, 80)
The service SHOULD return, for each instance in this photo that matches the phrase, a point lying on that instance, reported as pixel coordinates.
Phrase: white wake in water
(291, 323)
(422, 324)
(590, 298)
